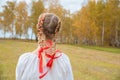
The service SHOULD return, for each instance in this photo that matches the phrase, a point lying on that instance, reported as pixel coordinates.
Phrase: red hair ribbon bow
(50, 62)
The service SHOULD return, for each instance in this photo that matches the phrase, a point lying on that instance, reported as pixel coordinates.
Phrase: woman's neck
(50, 44)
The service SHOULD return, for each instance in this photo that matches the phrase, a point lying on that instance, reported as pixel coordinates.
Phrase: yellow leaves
(37, 9)
(84, 25)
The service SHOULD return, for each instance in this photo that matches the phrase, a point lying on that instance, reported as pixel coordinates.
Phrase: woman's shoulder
(63, 61)
(64, 57)
(25, 56)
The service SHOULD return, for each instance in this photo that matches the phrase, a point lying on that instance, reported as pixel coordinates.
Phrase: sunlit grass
(87, 64)
(108, 49)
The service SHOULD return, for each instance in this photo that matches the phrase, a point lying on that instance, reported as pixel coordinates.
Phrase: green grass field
(87, 63)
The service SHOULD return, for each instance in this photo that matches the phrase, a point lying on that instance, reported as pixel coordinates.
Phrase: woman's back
(28, 64)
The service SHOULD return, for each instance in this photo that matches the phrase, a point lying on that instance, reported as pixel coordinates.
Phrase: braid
(58, 27)
(56, 30)
(41, 36)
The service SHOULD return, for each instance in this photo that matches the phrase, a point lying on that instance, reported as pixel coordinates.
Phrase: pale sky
(72, 5)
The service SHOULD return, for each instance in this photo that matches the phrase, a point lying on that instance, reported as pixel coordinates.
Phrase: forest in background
(96, 23)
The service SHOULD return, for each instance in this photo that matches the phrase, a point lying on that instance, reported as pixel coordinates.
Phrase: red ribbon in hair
(40, 57)
(50, 62)
(52, 57)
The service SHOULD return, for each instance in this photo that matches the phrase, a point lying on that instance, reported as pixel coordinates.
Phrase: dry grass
(87, 64)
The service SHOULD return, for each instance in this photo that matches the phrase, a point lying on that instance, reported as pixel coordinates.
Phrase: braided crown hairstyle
(48, 25)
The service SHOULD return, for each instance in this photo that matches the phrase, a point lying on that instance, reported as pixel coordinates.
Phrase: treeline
(96, 23)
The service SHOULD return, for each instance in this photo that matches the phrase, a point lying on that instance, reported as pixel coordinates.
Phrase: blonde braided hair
(41, 31)
(41, 36)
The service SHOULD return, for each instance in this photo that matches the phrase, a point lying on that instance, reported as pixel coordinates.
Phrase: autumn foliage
(96, 23)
